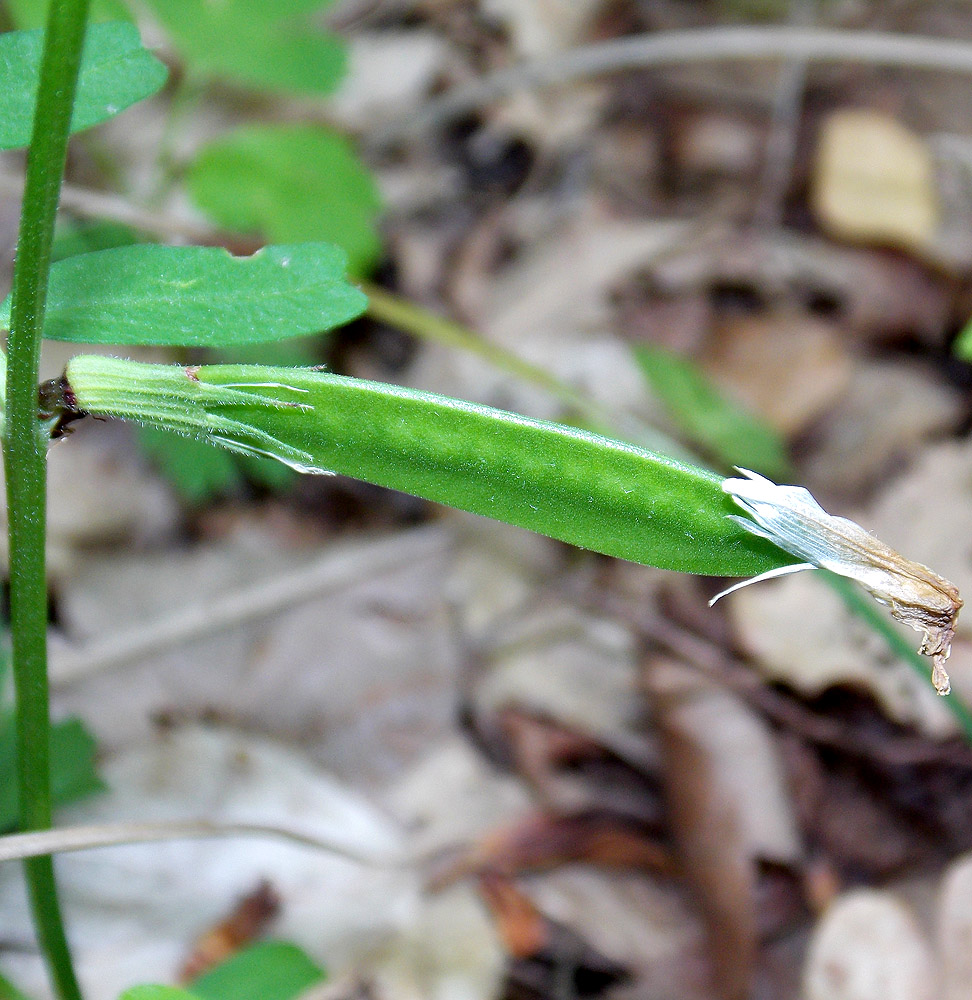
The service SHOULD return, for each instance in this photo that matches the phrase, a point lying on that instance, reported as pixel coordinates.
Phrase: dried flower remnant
(243, 925)
(790, 517)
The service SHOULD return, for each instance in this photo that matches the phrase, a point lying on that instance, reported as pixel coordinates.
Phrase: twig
(679, 47)
(95, 204)
(85, 838)
(782, 139)
(715, 662)
(334, 570)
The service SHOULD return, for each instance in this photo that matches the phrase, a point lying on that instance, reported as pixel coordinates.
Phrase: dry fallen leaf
(885, 419)
(540, 27)
(645, 925)
(137, 908)
(557, 288)
(874, 181)
(787, 366)
(868, 946)
(377, 647)
(800, 633)
(388, 72)
(954, 930)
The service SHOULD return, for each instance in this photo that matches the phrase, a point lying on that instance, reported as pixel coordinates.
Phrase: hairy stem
(25, 452)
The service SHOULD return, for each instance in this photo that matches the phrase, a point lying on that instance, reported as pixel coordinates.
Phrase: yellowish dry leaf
(874, 182)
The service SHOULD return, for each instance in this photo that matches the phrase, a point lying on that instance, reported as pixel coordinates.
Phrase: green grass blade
(722, 428)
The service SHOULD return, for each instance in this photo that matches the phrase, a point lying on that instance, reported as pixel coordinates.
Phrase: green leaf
(153, 992)
(10, 992)
(198, 470)
(116, 72)
(304, 352)
(73, 753)
(197, 296)
(579, 487)
(268, 970)
(87, 237)
(963, 343)
(290, 183)
(266, 472)
(266, 45)
(73, 774)
(33, 13)
(725, 430)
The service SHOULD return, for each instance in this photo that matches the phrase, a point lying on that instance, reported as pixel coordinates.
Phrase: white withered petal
(790, 518)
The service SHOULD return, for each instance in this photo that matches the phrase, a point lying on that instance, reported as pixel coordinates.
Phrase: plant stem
(404, 315)
(25, 451)
(678, 48)
(90, 836)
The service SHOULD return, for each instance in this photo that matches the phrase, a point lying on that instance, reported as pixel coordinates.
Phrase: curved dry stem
(84, 838)
(680, 47)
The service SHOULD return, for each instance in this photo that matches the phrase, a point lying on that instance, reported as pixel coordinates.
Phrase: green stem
(25, 450)
(404, 315)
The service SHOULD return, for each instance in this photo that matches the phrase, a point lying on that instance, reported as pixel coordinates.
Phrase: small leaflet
(789, 517)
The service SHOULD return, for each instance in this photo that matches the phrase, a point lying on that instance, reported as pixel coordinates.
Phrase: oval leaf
(267, 970)
(270, 46)
(197, 296)
(563, 482)
(290, 183)
(116, 72)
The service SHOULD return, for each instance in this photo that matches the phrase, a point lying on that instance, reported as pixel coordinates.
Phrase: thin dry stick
(781, 143)
(96, 204)
(335, 570)
(680, 47)
(798, 45)
(84, 838)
